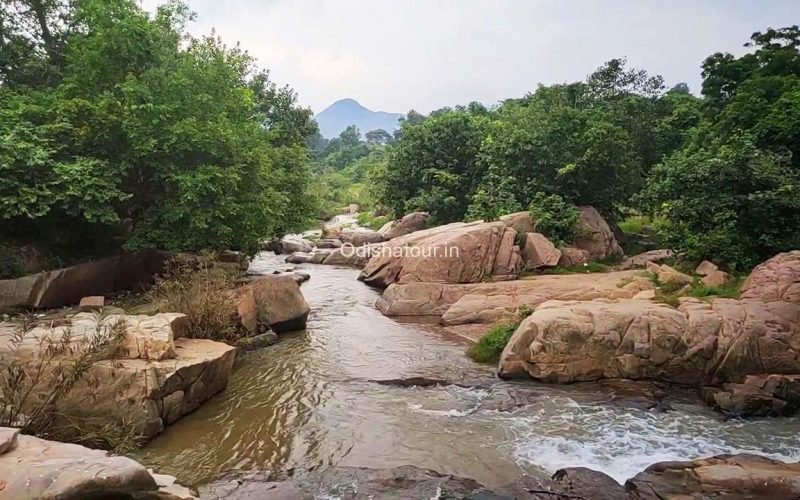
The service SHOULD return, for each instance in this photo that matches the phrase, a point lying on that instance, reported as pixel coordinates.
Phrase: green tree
(149, 139)
(433, 166)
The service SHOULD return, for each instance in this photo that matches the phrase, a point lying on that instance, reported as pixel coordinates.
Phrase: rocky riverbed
(334, 396)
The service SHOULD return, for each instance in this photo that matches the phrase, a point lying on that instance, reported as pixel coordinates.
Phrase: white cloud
(394, 55)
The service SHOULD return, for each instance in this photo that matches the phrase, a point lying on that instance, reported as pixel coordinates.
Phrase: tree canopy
(120, 130)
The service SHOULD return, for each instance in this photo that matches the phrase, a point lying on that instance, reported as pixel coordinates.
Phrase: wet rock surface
(720, 477)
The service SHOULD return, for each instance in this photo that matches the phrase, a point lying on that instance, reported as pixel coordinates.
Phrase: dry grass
(202, 292)
(48, 389)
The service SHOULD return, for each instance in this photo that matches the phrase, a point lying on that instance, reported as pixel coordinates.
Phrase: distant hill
(341, 114)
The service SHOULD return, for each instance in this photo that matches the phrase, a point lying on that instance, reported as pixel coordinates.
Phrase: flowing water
(310, 401)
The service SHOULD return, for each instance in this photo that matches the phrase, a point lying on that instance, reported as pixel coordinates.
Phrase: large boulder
(540, 252)
(361, 237)
(329, 243)
(454, 253)
(699, 343)
(724, 476)
(154, 378)
(573, 257)
(759, 395)
(279, 303)
(595, 235)
(298, 258)
(348, 255)
(292, 245)
(36, 468)
(487, 303)
(67, 286)
(415, 221)
(521, 222)
(777, 279)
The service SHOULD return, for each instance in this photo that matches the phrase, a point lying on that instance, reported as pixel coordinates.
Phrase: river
(310, 401)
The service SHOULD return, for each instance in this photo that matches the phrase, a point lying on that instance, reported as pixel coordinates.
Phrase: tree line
(719, 174)
(119, 130)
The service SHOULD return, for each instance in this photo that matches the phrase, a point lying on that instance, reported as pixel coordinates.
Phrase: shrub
(201, 291)
(489, 348)
(371, 220)
(554, 217)
(730, 202)
(53, 392)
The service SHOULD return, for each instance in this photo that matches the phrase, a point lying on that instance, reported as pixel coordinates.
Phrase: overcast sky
(395, 55)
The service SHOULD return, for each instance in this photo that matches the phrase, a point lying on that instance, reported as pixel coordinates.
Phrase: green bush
(489, 348)
(554, 217)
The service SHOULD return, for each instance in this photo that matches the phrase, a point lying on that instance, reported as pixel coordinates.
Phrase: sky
(396, 55)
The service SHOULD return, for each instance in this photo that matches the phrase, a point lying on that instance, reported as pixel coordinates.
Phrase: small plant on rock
(489, 348)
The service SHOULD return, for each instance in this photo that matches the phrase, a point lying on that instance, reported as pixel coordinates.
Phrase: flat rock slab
(486, 303)
(37, 468)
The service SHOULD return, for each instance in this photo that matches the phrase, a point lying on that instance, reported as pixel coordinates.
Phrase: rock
(520, 222)
(300, 277)
(349, 256)
(596, 236)
(573, 257)
(578, 483)
(93, 303)
(8, 439)
(66, 287)
(705, 268)
(292, 245)
(715, 278)
(239, 260)
(318, 257)
(645, 295)
(298, 258)
(652, 268)
(488, 303)
(701, 343)
(723, 476)
(329, 243)
(258, 341)
(667, 274)
(508, 399)
(361, 238)
(37, 468)
(454, 253)
(415, 221)
(777, 279)
(146, 337)
(156, 376)
(540, 252)
(643, 259)
(251, 486)
(421, 299)
(280, 303)
(757, 396)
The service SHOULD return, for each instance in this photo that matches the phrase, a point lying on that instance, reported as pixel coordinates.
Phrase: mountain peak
(345, 112)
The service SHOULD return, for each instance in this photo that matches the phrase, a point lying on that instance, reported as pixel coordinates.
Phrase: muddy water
(311, 401)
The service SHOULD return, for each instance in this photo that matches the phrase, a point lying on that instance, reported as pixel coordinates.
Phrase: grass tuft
(489, 348)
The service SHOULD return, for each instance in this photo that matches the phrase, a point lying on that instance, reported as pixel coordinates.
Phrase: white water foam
(622, 442)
